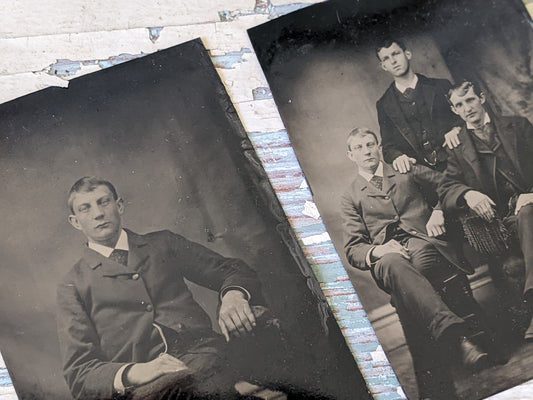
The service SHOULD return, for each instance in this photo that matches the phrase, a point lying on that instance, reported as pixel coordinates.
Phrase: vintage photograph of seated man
(412, 123)
(145, 255)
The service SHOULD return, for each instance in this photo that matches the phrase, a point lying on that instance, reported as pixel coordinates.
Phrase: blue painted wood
(282, 167)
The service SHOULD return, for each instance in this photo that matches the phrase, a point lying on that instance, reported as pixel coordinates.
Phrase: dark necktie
(486, 134)
(377, 181)
(120, 256)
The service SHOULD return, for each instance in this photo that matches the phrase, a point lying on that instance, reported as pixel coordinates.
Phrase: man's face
(394, 60)
(98, 215)
(469, 106)
(364, 151)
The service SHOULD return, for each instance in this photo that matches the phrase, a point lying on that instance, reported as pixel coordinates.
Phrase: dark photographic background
(321, 66)
(163, 130)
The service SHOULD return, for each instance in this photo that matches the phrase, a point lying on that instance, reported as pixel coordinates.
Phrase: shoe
(472, 356)
(528, 336)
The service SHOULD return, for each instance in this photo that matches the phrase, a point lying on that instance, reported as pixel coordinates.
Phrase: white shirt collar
(485, 122)
(122, 244)
(378, 172)
(410, 85)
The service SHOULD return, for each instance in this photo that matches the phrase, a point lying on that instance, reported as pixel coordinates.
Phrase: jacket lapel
(102, 264)
(428, 91)
(371, 190)
(138, 254)
(469, 154)
(509, 142)
(388, 178)
(395, 113)
(367, 187)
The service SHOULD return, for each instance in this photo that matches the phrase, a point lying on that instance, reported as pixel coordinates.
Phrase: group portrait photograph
(412, 123)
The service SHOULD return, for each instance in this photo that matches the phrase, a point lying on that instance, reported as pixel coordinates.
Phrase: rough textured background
(46, 43)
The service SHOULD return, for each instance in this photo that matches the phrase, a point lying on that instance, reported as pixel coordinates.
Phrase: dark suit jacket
(106, 310)
(368, 213)
(464, 171)
(396, 135)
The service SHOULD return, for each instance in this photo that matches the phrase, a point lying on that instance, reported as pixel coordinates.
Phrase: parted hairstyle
(360, 132)
(461, 89)
(88, 184)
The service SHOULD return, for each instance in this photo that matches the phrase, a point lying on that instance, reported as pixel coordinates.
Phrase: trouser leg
(210, 375)
(422, 312)
(412, 293)
(431, 371)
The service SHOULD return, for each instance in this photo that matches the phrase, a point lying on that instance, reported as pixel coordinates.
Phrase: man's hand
(235, 316)
(392, 246)
(435, 225)
(451, 138)
(141, 373)
(403, 163)
(523, 199)
(481, 204)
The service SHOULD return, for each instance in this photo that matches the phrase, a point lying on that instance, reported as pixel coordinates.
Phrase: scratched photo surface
(325, 78)
(163, 130)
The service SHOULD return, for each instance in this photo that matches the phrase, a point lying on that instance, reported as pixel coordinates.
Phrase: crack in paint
(231, 58)
(65, 68)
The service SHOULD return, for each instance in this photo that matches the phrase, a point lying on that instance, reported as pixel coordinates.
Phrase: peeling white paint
(378, 355)
(310, 210)
(316, 239)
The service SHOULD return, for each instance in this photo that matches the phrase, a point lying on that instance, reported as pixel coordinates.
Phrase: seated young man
(491, 172)
(391, 229)
(127, 323)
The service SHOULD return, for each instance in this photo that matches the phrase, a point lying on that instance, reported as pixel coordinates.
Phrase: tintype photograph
(412, 123)
(144, 252)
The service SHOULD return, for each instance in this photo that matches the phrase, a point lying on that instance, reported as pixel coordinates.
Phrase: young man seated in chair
(128, 325)
(491, 172)
(391, 229)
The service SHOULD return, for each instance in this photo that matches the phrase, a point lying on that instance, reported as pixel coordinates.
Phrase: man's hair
(461, 89)
(388, 42)
(88, 184)
(360, 132)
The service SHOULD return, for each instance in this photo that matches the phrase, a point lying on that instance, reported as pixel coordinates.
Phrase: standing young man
(415, 120)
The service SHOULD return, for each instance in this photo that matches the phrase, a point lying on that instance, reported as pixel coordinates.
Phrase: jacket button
(135, 277)
(149, 307)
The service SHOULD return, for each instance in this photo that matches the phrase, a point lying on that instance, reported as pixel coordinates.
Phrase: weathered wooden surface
(46, 43)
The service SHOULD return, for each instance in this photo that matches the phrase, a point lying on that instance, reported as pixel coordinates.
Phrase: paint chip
(310, 210)
(262, 93)
(64, 68)
(154, 32)
(231, 58)
(315, 239)
(378, 355)
(401, 393)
